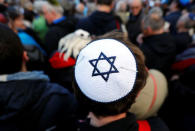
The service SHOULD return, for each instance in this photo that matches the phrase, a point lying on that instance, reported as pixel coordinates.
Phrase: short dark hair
(11, 51)
(13, 14)
(104, 2)
(122, 105)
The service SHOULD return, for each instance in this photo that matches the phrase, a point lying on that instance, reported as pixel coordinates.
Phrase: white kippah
(105, 70)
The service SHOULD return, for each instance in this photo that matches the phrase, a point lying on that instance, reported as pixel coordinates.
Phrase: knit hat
(105, 70)
(151, 97)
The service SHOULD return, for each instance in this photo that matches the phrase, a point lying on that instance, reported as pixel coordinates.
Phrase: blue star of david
(96, 71)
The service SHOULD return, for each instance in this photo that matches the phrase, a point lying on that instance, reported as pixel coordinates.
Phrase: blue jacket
(29, 102)
(26, 39)
(98, 23)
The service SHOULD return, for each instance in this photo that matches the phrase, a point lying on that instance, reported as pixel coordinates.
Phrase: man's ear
(145, 31)
(25, 56)
(150, 31)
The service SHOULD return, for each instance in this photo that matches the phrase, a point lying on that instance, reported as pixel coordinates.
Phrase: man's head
(80, 8)
(175, 6)
(38, 5)
(105, 2)
(11, 51)
(15, 20)
(152, 23)
(135, 6)
(121, 6)
(156, 10)
(52, 12)
(184, 24)
(1, 1)
(109, 73)
(105, 5)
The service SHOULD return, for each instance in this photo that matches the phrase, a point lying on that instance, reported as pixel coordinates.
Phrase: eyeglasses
(134, 7)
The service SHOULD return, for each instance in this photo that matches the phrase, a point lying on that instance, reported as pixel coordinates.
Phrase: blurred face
(123, 7)
(48, 15)
(80, 8)
(172, 6)
(135, 7)
(1, 1)
(18, 23)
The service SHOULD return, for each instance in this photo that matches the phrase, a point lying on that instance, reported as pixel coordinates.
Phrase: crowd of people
(97, 65)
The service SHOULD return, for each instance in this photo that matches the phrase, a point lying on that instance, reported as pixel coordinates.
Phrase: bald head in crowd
(135, 6)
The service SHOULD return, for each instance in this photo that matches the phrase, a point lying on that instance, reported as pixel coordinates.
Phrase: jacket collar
(34, 75)
(126, 124)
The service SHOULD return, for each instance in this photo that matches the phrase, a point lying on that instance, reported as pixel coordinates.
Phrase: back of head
(109, 73)
(28, 5)
(178, 4)
(38, 5)
(121, 6)
(11, 51)
(53, 7)
(156, 10)
(13, 13)
(104, 2)
(154, 21)
(185, 22)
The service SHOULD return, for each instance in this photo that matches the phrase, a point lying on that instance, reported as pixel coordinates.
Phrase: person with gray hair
(158, 46)
(153, 24)
(183, 38)
(52, 12)
(121, 10)
(159, 11)
(39, 24)
(59, 26)
(156, 10)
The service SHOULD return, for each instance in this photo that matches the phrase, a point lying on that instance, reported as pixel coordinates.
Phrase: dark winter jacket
(159, 51)
(180, 102)
(57, 30)
(182, 41)
(28, 102)
(98, 23)
(127, 124)
(134, 26)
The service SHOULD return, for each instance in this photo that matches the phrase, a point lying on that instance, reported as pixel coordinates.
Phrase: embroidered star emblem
(104, 74)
